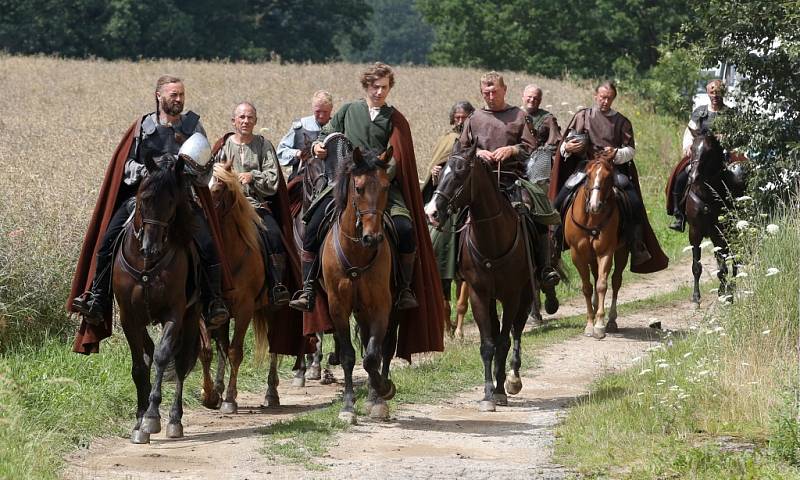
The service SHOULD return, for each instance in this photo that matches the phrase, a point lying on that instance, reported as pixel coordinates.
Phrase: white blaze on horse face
(594, 196)
(430, 211)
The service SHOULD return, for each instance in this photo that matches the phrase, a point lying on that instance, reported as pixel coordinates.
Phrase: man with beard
(702, 122)
(254, 160)
(602, 129)
(306, 129)
(159, 134)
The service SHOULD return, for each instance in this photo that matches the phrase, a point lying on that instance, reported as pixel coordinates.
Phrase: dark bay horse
(357, 270)
(152, 279)
(712, 188)
(494, 262)
(592, 232)
(238, 224)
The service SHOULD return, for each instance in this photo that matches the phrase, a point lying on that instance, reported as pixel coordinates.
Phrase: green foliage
(669, 84)
(549, 37)
(239, 29)
(766, 123)
(784, 441)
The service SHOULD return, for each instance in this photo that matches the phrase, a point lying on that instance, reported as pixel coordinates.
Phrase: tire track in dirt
(446, 440)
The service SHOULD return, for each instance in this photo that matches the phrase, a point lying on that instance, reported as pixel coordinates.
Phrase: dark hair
(375, 71)
(460, 105)
(609, 84)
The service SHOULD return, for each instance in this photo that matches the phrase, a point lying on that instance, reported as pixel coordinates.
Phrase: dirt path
(447, 440)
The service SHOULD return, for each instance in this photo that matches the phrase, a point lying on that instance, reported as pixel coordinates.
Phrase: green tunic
(353, 120)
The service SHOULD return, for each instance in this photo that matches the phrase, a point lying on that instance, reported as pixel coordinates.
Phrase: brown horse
(592, 232)
(496, 264)
(357, 269)
(249, 300)
(712, 186)
(153, 282)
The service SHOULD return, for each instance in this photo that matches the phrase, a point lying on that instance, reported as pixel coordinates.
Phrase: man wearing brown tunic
(602, 129)
(501, 134)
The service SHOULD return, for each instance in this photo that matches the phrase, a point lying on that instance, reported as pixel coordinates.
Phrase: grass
(733, 380)
(53, 158)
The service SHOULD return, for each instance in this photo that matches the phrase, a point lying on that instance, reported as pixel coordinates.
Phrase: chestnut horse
(592, 232)
(153, 278)
(495, 263)
(712, 186)
(238, 223)
(357, 272)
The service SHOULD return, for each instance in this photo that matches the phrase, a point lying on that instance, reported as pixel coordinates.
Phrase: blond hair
(492, 78)
(322, 96)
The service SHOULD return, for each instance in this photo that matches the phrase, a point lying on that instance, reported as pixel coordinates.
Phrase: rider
(256, 163)
(501, 134)
(161, 135)
(292, 144)
(443, 238)
(701, 121)
(607, 130)
(368, 124)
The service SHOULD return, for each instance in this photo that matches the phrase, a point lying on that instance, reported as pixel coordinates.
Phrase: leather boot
(306, 297)
(639, 253)
(279, 294)
(405, 297)
(547, 274)
(216, 312)
(94, 303)
(679, 224)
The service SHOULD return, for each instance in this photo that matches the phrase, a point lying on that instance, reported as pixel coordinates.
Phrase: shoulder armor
(297, 125)
(148, 124)
(189, 123)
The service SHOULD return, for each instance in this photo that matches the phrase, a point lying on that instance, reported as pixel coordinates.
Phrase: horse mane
(346, 169)
(165, 178)
(242, 213)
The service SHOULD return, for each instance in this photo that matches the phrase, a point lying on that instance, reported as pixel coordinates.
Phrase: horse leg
(620, 262)
(725, 287)
(601, 282)
(373, 358)
(222, 341)
(209, 397)
(235, 356)
(140, 373)
(513, 383)
(511, 310)
(451, 327)
(299, 369)
(461, 308)
(163, 354)
(489, 331)
(588, 290)
(185, 359)
(347, 355)
(314, 360)
(593, 265)
(271, 398)
(695, 237)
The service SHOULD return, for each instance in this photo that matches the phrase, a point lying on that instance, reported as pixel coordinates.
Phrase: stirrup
(550, 277)
(217, 314)
(89, 307)
(280, 295)
(304, 302)
(679, 224)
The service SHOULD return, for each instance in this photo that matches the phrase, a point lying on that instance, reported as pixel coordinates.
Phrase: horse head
(599, 183)
(362, 190)
(449, 195)
(708, 158)
(158, 199)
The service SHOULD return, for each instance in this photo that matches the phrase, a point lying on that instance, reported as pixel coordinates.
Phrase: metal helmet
(196, 152)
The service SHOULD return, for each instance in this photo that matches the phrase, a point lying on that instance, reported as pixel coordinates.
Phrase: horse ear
(149, 163)
(357, 158)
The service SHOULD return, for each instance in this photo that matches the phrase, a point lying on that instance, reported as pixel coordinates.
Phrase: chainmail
(539, 164)
(340, 149)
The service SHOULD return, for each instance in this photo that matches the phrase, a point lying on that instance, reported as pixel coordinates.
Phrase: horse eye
(360, 190)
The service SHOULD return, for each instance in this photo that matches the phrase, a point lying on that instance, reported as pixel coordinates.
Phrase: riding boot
(216, 312)
(306, 297)
(94, 303)
(679, 224)
(279, 294)
(547, 274)
(639, 253)
(405, 297)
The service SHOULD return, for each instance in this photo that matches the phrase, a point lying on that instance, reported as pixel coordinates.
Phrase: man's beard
(458, 128)
(171, 109)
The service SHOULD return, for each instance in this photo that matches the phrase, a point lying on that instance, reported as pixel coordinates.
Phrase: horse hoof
(379, 411)
(611, 327)
(151, 425)
(487, 406)
(273, 400)
(299, 381)
(348, 417)
(513, 385)
(229, 408)
(313, 373)
(327, 378)
(138, 437)
(500, 399)
(588, 331)
(174, 430)
(599, 333)
(390, 393)
(535, 321)
(368, 404)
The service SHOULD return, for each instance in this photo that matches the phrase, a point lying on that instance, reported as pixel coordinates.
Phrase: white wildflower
(688, 354)
(704, 373)
(713, 290)
(772, 271)
(741, 274)
(640, 394)
(716, 249)
(646, 370)
(743, 198)
(724, 299)
(706, 244)
(745, 364)
(663, 365)
(636, 359)
(766, 332)
(742, 224)
(719, 329)
(564, 103)
(686, 249)
(772, 229)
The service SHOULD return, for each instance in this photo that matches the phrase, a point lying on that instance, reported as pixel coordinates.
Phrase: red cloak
(671, 182)
(88, 337)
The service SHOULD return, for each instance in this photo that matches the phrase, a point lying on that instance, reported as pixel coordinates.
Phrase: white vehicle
(723, 71)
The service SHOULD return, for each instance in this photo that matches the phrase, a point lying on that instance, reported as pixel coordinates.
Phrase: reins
(144, 277)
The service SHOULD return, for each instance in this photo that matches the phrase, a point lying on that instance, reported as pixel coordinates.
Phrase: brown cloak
(88, 337)
(621, 135)
(285, 327)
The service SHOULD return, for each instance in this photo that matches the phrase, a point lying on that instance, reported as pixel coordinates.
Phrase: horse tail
(562, 272)
(261, 328)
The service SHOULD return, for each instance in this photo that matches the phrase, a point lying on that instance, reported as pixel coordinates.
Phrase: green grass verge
(732, 381)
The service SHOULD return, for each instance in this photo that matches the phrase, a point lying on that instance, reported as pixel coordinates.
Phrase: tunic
(259, 159)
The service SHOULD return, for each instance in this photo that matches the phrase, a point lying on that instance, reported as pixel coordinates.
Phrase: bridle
(593, 231)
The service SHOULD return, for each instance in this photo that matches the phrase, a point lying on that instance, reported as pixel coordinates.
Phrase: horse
(592, 232)
(357, 272)
(495, 263)
(711, 188)
(239, 226)
(153, 282)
